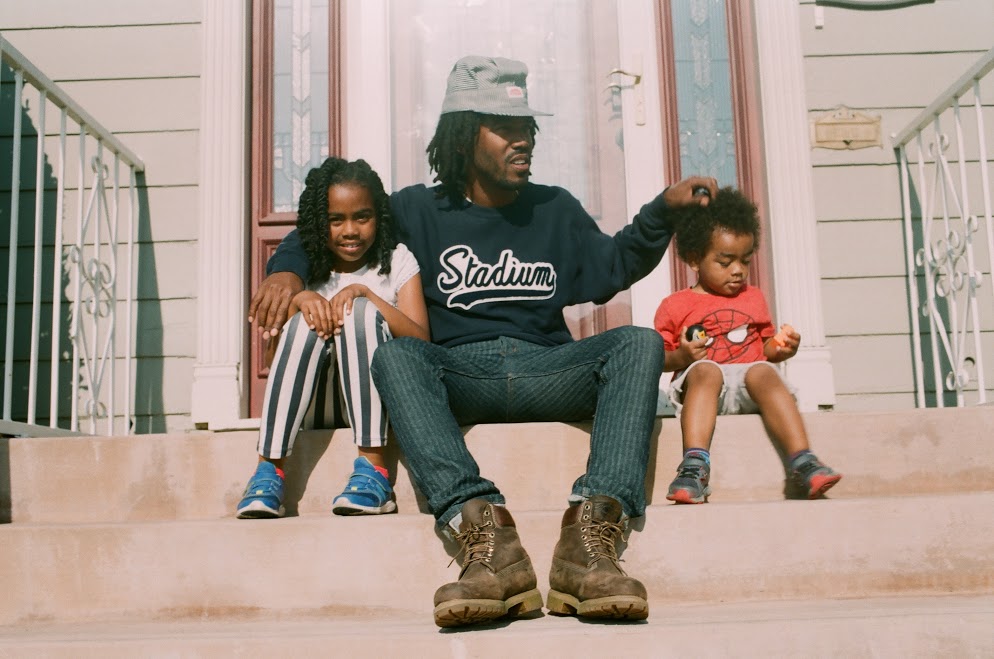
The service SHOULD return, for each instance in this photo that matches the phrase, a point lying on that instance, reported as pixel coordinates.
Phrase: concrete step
(332, 566)
(940, 626)
(202, 475)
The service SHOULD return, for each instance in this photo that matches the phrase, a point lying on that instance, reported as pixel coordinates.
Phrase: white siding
(893, 63)
(135, 67)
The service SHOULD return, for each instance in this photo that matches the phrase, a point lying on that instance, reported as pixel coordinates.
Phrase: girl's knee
(363, 313)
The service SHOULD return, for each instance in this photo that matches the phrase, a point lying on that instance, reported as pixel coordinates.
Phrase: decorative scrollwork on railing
(951, 280)
(94, 262)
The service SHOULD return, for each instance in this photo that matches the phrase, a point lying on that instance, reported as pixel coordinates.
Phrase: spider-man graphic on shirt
(736, 326)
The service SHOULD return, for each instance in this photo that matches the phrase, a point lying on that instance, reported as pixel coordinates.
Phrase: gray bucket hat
(489, 85)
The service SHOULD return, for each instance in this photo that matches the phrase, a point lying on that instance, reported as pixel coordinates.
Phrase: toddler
(721, 346)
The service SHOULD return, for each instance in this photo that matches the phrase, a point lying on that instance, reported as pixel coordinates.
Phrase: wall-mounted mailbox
(845, 128)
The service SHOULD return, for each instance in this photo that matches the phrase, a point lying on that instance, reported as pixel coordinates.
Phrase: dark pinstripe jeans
(430, 391)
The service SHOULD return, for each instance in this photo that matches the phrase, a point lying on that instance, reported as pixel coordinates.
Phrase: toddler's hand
(693, 349)
(785, 342)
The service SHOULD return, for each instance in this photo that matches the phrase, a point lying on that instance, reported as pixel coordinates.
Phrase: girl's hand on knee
(316, 312)
(341, 304)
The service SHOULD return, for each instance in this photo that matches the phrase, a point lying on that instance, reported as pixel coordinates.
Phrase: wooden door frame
(750, 170)
(267, 226)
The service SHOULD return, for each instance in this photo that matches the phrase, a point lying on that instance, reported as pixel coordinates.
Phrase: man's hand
(682, 193)
(271, 302)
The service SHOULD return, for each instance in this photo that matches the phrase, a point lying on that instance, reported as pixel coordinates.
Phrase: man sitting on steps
(501, 258)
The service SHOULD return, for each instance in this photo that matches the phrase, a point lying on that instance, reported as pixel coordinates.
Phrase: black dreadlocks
(312, 215)
(450, 151)
(730, 210)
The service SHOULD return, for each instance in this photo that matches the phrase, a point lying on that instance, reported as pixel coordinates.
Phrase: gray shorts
(734, 397)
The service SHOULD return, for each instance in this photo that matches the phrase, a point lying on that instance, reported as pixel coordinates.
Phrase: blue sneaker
(366, 493)
(263, 496)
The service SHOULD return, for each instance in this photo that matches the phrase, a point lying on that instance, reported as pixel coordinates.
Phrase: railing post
(15, 194)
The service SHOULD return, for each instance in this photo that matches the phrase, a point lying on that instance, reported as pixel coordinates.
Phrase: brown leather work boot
(586, 579)
(497, 578)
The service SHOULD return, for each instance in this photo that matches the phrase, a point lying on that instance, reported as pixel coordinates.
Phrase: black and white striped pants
(300, 373)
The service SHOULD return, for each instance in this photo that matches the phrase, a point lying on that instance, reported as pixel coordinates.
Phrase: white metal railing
(945, 233)
(93, 267)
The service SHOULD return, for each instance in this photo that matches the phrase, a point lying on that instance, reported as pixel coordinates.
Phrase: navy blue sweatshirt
(510, 271)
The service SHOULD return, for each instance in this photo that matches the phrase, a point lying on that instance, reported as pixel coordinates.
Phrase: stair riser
(826, 549)
(202, 476)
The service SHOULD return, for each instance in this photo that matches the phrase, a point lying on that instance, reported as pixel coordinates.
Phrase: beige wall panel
(139, 51)
(169, 272)
(166, 271)
(881, 81)
(941, 26)
(173, 213)
(165, 328)
(865, 306)
(124, 106)
(873, 402)
(857, 193)
(861, 249)
(171, 159)
(176, 327)
(872, 364)
(18, 14)
(165, 389)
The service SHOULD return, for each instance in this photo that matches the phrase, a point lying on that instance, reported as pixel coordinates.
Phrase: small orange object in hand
(781, 336)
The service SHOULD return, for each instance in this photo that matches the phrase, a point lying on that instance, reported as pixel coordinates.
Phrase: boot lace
(477, 544)
(600, 540)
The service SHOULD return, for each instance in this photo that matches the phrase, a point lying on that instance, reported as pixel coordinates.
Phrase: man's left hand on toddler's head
(683, 193)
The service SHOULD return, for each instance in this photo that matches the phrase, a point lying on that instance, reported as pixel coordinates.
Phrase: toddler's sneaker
(691, 482)
(263, 496)
(808, 478)
(366, 493)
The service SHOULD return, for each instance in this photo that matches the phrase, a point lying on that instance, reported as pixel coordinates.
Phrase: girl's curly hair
(694, 225)
(312, 215)
(451, 149)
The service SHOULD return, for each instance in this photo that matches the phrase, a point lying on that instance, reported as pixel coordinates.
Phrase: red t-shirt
(736, 326)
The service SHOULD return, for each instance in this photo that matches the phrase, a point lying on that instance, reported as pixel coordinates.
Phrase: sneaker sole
(458, 613)
(683, 496)
(259, 510)
(348, 508)
(617, 607)
(822, 484)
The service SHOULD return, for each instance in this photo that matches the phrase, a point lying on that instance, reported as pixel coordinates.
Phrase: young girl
(364, 289)
(726, 365)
